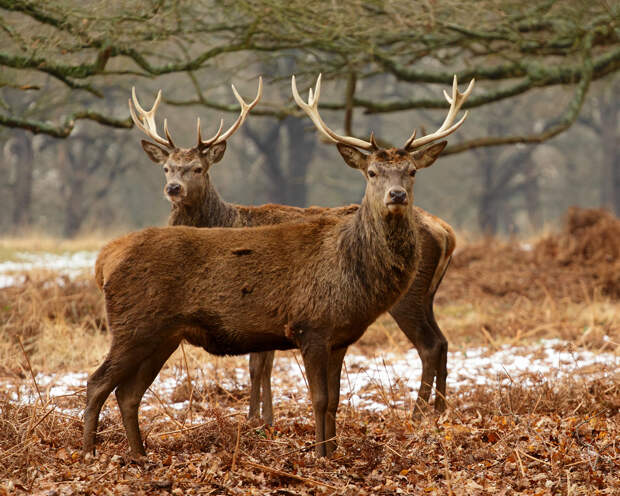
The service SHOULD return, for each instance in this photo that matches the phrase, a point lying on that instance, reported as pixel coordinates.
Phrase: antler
(456, 100)
(312, 109)
(245, 109)
(146, 121)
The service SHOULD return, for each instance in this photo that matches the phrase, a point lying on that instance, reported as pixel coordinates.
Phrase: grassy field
(531, 432)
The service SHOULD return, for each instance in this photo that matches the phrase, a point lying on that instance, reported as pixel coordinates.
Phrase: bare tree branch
(63, 130)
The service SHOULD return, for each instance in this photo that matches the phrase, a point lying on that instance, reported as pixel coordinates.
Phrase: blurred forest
(542, 134)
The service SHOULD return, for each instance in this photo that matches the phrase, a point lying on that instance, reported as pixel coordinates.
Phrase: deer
(313, 285)
(195, 202)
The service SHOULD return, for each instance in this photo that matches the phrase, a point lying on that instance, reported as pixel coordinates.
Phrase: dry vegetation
(557, 436)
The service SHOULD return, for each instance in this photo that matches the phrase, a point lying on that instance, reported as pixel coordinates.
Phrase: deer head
(186, 169)
(390, 173)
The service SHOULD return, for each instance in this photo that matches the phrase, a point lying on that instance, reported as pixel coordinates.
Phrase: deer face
(390, 174)
(186, 169)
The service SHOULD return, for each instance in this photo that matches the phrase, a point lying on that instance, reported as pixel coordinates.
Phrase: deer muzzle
(396, 199)
(174, 191)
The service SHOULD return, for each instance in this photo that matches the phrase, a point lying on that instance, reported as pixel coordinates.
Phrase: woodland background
(547, 90)
(532, 320)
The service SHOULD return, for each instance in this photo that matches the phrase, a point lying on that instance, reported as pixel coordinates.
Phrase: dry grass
(38, 242)
(555, 437)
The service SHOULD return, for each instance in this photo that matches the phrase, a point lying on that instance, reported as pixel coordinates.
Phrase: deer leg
(316, 372)
(129, 393)
(442, 363)
(98, 388)
(409, 314)
(267, 402)
(334, 369)
(441, 372)
(117, 365)
(257, 363)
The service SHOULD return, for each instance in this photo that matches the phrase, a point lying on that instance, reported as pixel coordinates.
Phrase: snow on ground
(68, 264)
(388, 381)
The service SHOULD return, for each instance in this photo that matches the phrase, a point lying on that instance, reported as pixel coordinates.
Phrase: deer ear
(154, 152)
(353, 157)
(214, 153)
(426, 158)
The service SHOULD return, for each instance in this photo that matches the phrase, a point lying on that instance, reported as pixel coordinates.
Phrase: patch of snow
(373, 384)
(68, 264)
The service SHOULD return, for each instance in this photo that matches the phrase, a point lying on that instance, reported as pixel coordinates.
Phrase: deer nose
(398, 195)
(173, 189)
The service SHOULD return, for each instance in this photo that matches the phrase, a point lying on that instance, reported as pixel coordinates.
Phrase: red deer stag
(314, 285)
(196, 202)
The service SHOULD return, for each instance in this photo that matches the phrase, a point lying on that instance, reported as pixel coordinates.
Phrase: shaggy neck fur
(207, 211)
(376, 260)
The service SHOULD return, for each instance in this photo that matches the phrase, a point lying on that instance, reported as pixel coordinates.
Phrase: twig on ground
(194, 427)
(307, 480)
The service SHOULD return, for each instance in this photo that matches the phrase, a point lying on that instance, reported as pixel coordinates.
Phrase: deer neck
(208, 210)
(377, 248)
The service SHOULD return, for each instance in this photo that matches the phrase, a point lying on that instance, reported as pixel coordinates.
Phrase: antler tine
(447, 127)
(167, 133)
(209, 142)
(312, 110)
(245, 109)
(146, 121)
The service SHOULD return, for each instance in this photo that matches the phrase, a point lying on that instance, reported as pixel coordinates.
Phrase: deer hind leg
(334, 370)
(130, 392)
(267, 402)
(412, 320)
(260, 378)
(316, 372)
(117, 365)
(442, 363)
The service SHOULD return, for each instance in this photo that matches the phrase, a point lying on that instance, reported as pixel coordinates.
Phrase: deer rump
(234, 291)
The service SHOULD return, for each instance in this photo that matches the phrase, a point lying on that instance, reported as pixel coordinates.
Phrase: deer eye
(371, 173)
(198, 170)
(166, 170)
(412, 173)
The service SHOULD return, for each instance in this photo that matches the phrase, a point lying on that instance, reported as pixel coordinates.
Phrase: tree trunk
(487, 206)
(73, 174)
(610, 195)
(301, 148)
(23, 161)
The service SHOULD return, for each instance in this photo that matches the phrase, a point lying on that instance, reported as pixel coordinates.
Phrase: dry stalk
(520, 463)
(488, 337)
(165, 409)
(21, 345)
(303, 372)
(236, 452)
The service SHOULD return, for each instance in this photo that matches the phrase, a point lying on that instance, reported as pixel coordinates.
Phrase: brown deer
(315, 285)
(196, 202)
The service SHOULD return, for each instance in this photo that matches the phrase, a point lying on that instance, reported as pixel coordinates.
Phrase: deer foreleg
(334, 370)
(314, 355)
